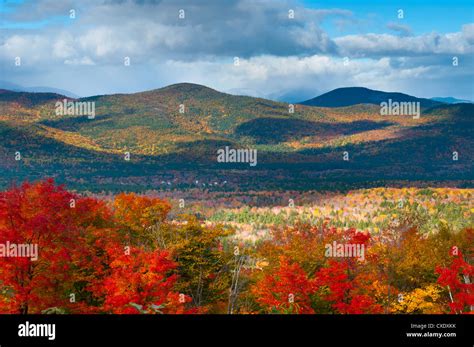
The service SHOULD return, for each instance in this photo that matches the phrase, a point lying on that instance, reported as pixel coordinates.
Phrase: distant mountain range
(336, 98)
(451, 100)
(173, 134)
(18, 88)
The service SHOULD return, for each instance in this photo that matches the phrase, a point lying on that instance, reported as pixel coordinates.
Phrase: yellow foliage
(421, 300)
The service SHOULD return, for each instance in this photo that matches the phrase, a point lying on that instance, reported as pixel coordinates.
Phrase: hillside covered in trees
(173, 134)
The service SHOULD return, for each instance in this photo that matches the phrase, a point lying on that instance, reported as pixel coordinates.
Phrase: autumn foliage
(81, 266)
(139, 278)
(287, 290)
(127, 256)
(42, 215)
(457, 278)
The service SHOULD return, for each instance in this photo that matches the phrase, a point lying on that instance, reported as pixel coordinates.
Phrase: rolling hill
(173, 134)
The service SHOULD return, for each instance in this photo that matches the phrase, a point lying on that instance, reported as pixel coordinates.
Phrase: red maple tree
(457, 278)
(140, 281)
(286, 290)
(60, 225)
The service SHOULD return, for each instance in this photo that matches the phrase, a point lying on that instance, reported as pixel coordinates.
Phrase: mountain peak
(185, 90)
(349, 96)
(191, 88)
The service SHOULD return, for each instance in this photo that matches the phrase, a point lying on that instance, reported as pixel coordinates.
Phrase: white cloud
(81, 61)
(31, 48)
(309, 75)
(370, 45)
(403, 29)
(64, 46)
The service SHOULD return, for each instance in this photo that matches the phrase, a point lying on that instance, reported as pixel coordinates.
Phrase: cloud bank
(283, 49)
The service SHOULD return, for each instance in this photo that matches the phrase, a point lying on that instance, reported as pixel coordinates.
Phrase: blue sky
(328, 44)
(422, 15)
